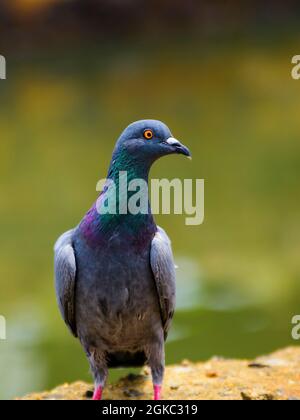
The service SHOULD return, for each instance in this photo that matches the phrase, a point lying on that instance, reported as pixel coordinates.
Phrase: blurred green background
(229, 95)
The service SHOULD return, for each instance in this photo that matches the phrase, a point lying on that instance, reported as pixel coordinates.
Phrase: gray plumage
(115, 280)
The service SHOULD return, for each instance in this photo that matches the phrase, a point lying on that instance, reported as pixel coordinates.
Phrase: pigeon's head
(148, 140)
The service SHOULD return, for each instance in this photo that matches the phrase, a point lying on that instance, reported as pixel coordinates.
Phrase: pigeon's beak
(178, 147)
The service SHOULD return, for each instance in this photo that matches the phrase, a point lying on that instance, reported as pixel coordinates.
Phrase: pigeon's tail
(126, 359)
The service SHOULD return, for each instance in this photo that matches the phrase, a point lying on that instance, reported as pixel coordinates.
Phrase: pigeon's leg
(100, 373)
(156, 360)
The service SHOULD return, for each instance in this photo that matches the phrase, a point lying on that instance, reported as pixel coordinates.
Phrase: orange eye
(148, 134)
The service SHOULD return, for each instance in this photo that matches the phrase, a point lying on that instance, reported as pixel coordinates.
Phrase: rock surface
(273, 377)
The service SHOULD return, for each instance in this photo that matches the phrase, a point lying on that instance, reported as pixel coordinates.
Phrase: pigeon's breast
(116, 299)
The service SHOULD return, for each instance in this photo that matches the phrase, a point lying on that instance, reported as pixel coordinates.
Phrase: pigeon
(115, 272)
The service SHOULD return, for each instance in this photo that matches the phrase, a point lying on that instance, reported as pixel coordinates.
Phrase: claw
(157, 392)
(98, 393)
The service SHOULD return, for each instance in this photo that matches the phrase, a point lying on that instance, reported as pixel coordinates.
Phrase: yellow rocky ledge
(273, 377)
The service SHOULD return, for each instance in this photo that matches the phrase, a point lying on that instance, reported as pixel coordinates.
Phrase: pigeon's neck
(123, 207)
(134, 168)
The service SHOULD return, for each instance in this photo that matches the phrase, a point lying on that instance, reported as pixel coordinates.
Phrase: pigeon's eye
(148, 134)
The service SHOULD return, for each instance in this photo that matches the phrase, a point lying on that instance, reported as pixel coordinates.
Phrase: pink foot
(98, 394)
(157, 392)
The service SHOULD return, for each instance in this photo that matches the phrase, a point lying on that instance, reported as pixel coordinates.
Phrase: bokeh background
(219, 74)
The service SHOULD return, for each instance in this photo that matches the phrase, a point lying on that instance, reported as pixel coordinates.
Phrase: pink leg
(98, 393)
(157, 392)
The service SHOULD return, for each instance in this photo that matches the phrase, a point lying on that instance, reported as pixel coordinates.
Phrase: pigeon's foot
(157, 392)
(98, 393)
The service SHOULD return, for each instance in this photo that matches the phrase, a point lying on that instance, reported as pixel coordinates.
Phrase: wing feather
(163, 268)
(65, 279)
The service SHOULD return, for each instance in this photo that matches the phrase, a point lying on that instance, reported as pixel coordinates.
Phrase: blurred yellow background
(29, 6)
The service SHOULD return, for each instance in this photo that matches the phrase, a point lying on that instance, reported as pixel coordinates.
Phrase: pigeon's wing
(163, 268)
(65, 279)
